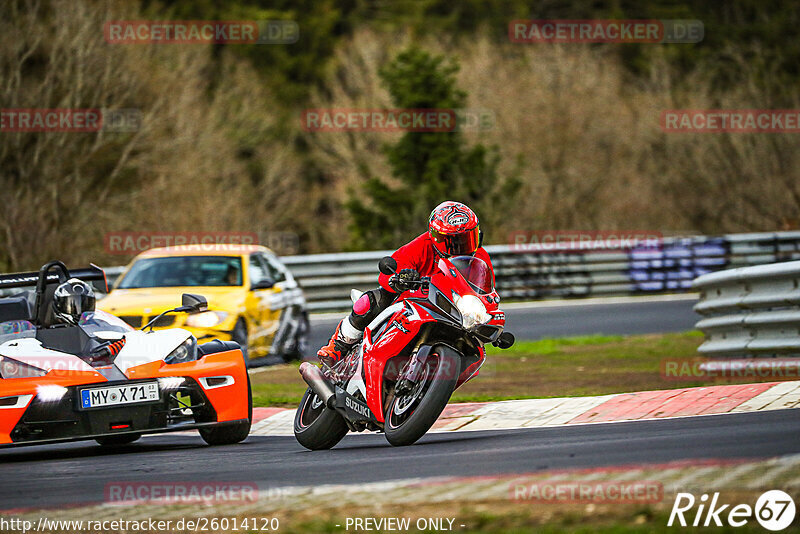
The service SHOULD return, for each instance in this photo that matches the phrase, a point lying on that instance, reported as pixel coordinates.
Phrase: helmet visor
(461, 244)
(75, 305)
(71, 299)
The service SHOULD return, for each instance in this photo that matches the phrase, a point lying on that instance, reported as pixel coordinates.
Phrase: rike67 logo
(774, 510)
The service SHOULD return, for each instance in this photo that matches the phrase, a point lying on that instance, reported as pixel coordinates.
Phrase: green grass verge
(563, 367)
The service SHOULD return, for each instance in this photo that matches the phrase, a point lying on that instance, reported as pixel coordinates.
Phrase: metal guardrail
(328, 278)
(750, 311)
(671, 266)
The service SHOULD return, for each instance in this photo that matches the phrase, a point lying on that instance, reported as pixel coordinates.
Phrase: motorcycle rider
(453, 230)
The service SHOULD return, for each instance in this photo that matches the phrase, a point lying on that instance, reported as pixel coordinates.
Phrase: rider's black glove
(404, 280)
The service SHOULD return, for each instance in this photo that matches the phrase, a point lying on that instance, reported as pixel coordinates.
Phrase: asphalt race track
(75, 473)
(575, 319)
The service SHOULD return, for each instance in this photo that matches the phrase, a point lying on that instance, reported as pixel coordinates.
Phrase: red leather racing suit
(420, 255)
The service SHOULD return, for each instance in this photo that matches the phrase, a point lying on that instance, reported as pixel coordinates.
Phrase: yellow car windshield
(182, 271)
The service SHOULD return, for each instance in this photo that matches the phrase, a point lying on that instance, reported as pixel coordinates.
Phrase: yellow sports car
(252, 298)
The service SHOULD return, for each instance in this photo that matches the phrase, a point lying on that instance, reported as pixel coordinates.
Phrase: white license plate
(119, 395)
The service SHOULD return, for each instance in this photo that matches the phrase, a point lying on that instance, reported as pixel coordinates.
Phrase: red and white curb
(534, 413)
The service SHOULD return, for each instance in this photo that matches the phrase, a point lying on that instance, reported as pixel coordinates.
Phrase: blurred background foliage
(576, 142)
(766, 32)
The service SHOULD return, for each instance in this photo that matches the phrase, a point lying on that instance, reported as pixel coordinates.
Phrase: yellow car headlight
(206, 319)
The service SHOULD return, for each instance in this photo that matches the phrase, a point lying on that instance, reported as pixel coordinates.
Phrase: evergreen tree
(429, 167)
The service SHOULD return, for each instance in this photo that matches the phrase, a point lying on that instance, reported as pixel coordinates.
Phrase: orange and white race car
(58, 384)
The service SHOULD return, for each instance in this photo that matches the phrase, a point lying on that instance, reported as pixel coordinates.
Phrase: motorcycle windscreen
(475, 271)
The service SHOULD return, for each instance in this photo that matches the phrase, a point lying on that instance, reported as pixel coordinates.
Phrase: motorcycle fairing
(405, 322)
(356, 409)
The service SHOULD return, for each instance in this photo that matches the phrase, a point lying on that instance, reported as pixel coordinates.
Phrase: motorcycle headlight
(206, 319)
(186, 352)
(472, 310)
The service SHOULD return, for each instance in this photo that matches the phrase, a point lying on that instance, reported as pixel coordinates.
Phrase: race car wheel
(239, 335)
(113, 441)
(300, 344)
(234, 433)
(316, 426)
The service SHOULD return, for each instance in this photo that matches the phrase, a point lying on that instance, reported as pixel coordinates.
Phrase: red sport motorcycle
(412, 357)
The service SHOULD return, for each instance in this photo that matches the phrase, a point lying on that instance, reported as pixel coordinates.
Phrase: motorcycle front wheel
(412, 414)
(316, 426)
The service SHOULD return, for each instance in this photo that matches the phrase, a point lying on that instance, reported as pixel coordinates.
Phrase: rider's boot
(342, 340)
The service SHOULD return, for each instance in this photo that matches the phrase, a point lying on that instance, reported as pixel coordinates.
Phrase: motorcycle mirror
(505, 341)
(387, 265)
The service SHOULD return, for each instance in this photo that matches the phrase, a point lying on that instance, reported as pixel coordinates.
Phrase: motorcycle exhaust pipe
(318, 383)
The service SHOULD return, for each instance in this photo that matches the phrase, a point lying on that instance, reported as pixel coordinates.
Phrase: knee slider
(368, 307)
(364, 303)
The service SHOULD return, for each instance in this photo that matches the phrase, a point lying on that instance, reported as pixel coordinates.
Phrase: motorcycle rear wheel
(317, 427)
(410, 416)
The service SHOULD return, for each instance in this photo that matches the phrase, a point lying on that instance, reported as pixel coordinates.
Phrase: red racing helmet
(454, 229)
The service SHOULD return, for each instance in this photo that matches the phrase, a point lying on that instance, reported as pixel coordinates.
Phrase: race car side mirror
(190, 303)
(387, 265)
(263, 284)
(193, 303)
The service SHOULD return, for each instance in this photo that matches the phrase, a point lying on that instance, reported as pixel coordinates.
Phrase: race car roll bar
(44, 276)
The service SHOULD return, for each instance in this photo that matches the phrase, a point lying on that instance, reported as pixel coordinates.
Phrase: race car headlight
(186, 352)
(206, 319)
(169, 383)
(472, 310)
(13, 369)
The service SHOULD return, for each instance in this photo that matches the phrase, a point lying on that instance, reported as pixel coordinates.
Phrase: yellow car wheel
(299, 345)
(239, 335)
